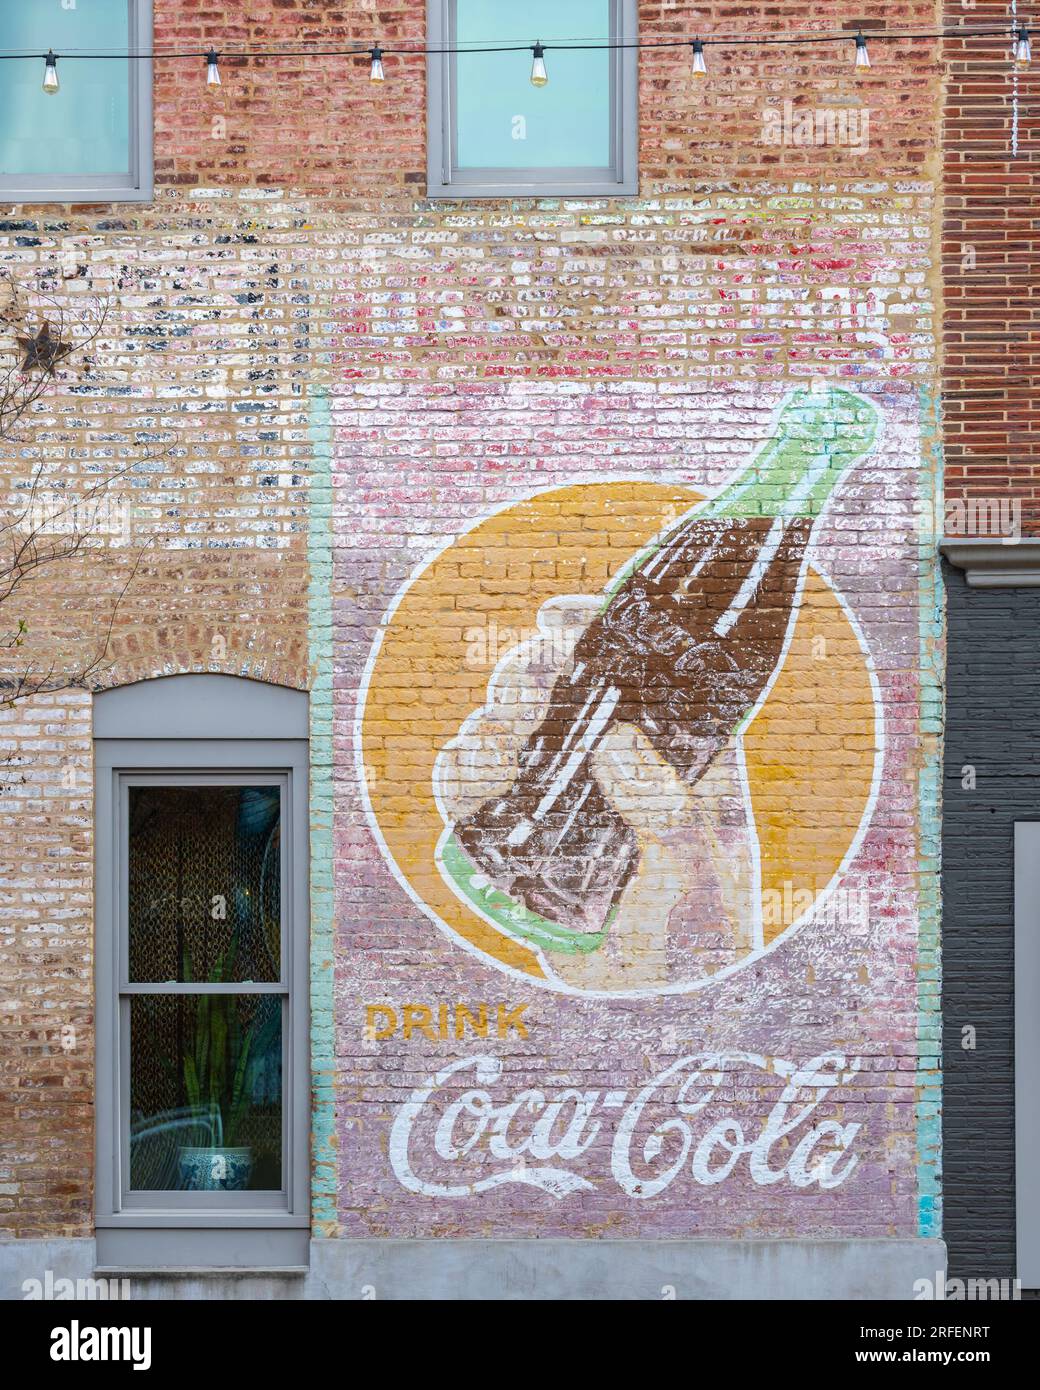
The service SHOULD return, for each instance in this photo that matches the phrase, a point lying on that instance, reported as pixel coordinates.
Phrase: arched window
(201, 929)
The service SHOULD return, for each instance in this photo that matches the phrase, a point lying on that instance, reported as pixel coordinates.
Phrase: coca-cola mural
(631, 922)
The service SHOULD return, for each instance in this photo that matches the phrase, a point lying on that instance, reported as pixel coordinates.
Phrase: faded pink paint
(434, 462)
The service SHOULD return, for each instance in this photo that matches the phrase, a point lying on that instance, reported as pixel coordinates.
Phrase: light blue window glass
(85, 128)
(501, 120)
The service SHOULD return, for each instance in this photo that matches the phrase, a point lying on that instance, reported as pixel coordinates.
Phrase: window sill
(65, 197)
(184, 1243)
(506, 192)
(200, 1271)
(219, 1219)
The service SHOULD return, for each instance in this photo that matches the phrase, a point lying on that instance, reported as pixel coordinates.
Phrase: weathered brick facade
(989, 265)
(334, 381)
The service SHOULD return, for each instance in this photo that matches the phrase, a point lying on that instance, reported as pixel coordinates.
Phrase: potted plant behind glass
(217, 1074)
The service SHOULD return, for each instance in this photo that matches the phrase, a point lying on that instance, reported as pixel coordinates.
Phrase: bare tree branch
(36, 537)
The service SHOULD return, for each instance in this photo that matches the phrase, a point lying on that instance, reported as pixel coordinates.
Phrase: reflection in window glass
(205, 884)
(85, 127)
(206, 1092)
(503, 122)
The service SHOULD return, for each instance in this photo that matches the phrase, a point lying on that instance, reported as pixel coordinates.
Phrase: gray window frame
(444, 180)
(180, 730)
(138, 186)
(1027, 1051)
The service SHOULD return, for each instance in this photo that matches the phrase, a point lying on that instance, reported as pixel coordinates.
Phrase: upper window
(494, 132)
(90, 139)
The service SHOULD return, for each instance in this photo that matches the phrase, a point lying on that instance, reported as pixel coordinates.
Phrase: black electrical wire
(1006, 31)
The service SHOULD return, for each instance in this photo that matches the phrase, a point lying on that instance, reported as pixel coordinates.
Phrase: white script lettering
(535, 1140)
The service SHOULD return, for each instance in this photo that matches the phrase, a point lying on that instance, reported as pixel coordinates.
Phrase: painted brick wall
(46, 1028)
(292, 312)
(990, 781)
(193, 383)
(647, 1005)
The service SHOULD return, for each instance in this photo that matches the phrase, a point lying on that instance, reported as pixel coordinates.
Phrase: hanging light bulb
(50, 73)
(539, 77)
(1023, 53)
(699, 69)
(377, 74)
(862, 56)
(212, 68)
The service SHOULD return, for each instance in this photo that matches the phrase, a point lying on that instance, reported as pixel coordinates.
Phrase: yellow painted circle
(810, 751)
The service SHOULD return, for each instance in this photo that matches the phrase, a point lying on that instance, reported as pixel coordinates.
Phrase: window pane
(85, 127)
(505, 122)
(205, 884)
(206, 1092)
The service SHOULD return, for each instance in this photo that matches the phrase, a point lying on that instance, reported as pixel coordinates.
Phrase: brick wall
(990, 258)
(194, 388)
(46, 1027)
(462, 357)
(322, 126)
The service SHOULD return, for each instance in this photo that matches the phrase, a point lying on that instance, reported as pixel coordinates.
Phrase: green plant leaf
(239, 1091)
(192, 1087)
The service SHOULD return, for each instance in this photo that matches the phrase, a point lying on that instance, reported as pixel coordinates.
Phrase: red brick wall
(991, 257)
(319, 124)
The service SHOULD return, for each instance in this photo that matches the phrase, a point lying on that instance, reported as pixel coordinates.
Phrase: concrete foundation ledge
(624, 1269)
(474, 1270)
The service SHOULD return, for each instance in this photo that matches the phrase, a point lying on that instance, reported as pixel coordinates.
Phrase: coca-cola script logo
(574, 735)
(457, 1135)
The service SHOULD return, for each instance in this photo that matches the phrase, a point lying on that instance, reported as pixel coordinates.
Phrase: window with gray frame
(85, 135)
(497, 127)
(202, 960)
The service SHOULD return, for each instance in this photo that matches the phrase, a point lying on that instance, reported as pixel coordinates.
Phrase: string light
(539, 77)
(50, 73)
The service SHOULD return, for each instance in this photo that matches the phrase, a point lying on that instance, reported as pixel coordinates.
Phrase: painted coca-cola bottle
(683, 648)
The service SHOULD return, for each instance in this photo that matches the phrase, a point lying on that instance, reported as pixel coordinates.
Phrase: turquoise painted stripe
(319, 633)
(928, 1102)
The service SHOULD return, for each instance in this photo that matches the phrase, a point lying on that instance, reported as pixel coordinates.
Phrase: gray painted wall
(514, 1270)
(993, 725)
